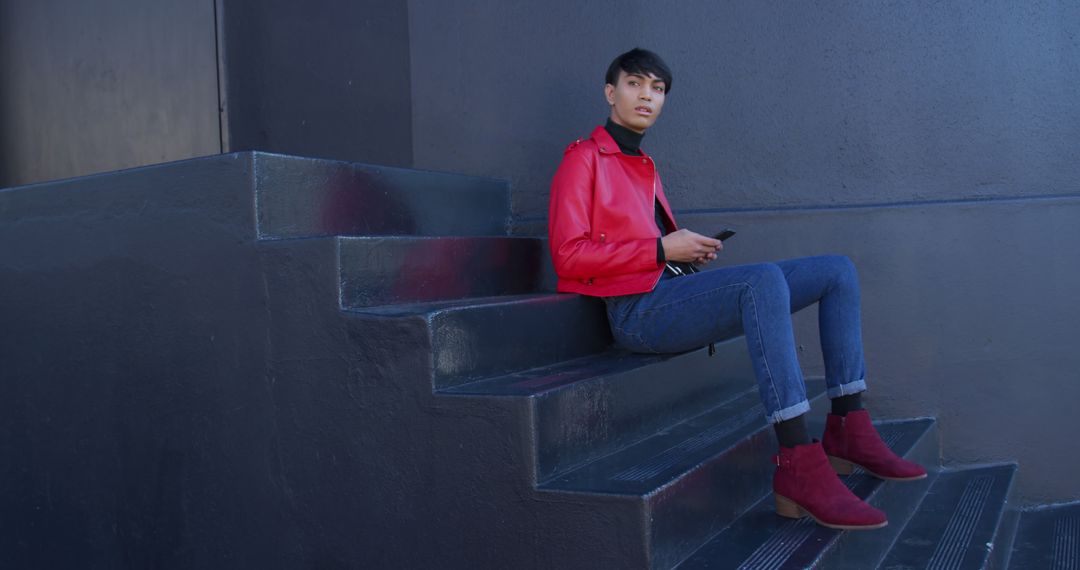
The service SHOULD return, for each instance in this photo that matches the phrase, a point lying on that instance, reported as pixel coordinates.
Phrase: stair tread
(544, 378)
(1048, 538)
(760, 538)
(648, 465)
(433, 307)
(956, 522)
(476, 338)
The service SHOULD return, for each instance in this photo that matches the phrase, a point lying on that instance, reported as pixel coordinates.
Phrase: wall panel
(96, 86)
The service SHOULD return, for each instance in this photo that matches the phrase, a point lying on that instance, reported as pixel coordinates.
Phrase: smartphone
(724, 234)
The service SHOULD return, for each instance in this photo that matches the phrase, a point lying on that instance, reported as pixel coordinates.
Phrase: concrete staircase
(432, 402)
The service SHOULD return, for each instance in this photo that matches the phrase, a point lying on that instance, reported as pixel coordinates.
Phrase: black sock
(844, 404)
(792, 432)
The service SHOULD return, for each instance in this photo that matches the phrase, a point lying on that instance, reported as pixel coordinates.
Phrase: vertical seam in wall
(219, 54)
(411, 163)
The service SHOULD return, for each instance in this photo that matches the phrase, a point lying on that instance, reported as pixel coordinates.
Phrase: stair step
(860, 550)
(691, 479)
(956, 523)
(590, 407)
(310, 197)
(471, 339)
(379, 271)
(1048, 538)
(762, 539)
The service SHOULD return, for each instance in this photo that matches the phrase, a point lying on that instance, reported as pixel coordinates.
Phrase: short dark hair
(642, 62)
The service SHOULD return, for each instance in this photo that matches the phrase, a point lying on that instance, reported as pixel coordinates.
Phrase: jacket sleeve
(577, 250)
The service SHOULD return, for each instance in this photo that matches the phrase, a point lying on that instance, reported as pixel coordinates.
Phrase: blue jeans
(684, 313)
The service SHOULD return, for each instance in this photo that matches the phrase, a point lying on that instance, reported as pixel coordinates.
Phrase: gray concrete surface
(773, 104)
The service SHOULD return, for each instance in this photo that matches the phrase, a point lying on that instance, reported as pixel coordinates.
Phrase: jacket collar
(606, 144)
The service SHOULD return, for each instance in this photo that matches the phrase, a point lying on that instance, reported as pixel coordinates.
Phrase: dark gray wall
(782, 117)
(93, 87)
(774, 104)
(97, 86)
(324, 78)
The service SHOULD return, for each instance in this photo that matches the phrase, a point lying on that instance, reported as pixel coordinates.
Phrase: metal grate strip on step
(950, 551)
(1066, 554)
(772, 554)
(956, 524)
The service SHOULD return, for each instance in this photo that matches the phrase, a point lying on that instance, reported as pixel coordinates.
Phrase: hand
(687, 246)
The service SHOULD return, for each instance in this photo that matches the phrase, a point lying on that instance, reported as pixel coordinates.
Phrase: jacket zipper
(655, 175)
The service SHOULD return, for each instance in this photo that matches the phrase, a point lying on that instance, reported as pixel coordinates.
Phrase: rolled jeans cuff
(788, 412)
(846, 389)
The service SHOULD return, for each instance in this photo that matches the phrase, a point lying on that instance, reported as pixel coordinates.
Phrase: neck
(629, 141)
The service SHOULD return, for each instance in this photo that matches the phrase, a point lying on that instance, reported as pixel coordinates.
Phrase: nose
(645, 95)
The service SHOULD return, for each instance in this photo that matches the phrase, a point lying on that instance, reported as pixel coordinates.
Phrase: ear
(609, 93)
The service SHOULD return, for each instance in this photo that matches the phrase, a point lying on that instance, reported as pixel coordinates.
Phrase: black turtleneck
(630, 143)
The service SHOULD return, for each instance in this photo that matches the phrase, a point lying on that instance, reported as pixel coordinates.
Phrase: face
(636, 100)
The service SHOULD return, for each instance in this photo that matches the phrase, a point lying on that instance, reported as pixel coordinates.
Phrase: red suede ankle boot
(805, 484)
(852, 440)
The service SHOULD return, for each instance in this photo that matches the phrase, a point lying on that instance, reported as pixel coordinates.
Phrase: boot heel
(841, 466)
(787, 508)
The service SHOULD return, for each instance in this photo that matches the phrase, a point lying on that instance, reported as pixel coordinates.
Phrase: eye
(659, 88)
(633, 83)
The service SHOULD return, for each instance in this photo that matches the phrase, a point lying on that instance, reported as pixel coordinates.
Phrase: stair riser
(1005, 540)
(398, 270)
(591, 419)
(488, 340)
(303, 197)
(704, 501)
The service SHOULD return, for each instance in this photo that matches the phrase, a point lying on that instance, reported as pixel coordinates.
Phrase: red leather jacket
(601, 224)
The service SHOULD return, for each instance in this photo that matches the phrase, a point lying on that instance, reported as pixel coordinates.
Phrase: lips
(643, 110)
